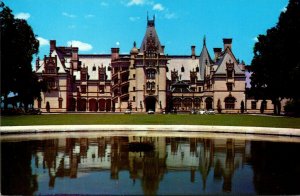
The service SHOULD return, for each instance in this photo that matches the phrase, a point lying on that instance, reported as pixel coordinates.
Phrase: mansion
(144, 79)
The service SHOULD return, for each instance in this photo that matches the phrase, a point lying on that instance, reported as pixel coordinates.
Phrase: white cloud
(43, 41)
(82, 46)
(22, 15)
(68, 15)
(158, 7)
(133, 19)
(136, 2)
(255, 39)
(89, 16)
(117, 44)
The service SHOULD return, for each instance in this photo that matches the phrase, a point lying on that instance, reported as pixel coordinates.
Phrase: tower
(150, 72)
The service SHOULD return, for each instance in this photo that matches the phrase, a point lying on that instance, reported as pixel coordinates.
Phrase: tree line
(276, 62)
(18, 45)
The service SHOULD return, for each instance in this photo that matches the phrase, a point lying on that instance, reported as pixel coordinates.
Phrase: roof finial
(204, 40)
(134, 44)
(147, 16)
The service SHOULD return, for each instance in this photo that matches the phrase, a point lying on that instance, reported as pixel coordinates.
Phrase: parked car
(210, 111)
(201, 111)
(193, 111)
(150, 111)
(128, 111)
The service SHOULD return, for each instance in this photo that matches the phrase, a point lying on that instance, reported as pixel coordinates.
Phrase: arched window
(208, 103)
(229, 103)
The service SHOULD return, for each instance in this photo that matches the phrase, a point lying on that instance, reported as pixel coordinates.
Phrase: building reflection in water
(66, 157)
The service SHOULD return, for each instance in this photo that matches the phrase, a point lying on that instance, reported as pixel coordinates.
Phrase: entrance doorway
(150, 103)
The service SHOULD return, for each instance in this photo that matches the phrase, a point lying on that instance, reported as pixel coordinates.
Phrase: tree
(18, 44)
(275, 65)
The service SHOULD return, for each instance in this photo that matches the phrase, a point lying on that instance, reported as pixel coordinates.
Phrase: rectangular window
(101, 89)
(133, 88)
(229, 73)
(133, 76)
(60, 103)
(83, 88)
(229, 86)
(253, 105)
(199, 89)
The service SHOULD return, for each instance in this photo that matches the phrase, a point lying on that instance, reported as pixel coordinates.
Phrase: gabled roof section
(151, 38)
(227, 57)
(204, 59)
(59, 63)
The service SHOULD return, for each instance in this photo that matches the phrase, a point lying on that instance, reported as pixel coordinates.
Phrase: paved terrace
(149, 128)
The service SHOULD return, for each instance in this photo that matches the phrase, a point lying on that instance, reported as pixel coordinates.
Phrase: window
(133, 98)
(50, 70)
(229, 73)
(83, 88)
(133, 88)
(229, 86)
(151, 74)
(253, 105)
(60, 100)
(51, 83)
(150, 85)
(229, 103)
(83, 76)
(199, 89)
(101, 88)
(133, 76)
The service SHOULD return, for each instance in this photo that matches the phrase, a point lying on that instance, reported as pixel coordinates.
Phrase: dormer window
(182, 68)
(94, 68)
(230, 69)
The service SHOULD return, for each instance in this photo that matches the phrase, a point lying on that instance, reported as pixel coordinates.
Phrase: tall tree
(276, 66)
(18, 44)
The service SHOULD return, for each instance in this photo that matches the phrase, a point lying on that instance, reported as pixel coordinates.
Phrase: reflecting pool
(156, 165)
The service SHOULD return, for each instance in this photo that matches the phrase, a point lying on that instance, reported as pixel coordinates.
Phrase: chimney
(115, 53)
(52, 45)
(163, 49)
(217, 52)
(227, 43)
(193, 52)
(74, 53)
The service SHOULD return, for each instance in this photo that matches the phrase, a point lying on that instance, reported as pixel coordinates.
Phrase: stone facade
(144, 79)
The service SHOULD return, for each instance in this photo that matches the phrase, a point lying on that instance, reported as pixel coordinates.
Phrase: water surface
(136, 165)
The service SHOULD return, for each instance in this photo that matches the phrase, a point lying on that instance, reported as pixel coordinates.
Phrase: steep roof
(151, 35)
(227, 56)
(176, 63)
(204, 60)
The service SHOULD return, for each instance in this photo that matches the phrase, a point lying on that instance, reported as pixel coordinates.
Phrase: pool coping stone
(170, 128)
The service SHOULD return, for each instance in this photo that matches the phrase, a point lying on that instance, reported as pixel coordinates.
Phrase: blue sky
(97, 25)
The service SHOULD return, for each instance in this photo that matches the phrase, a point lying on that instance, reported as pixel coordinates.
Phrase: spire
(151, 40)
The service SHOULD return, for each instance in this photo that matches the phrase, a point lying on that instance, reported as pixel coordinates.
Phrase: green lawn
(137, 119)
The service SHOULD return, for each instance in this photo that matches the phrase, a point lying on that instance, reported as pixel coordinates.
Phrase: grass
(159, 119)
